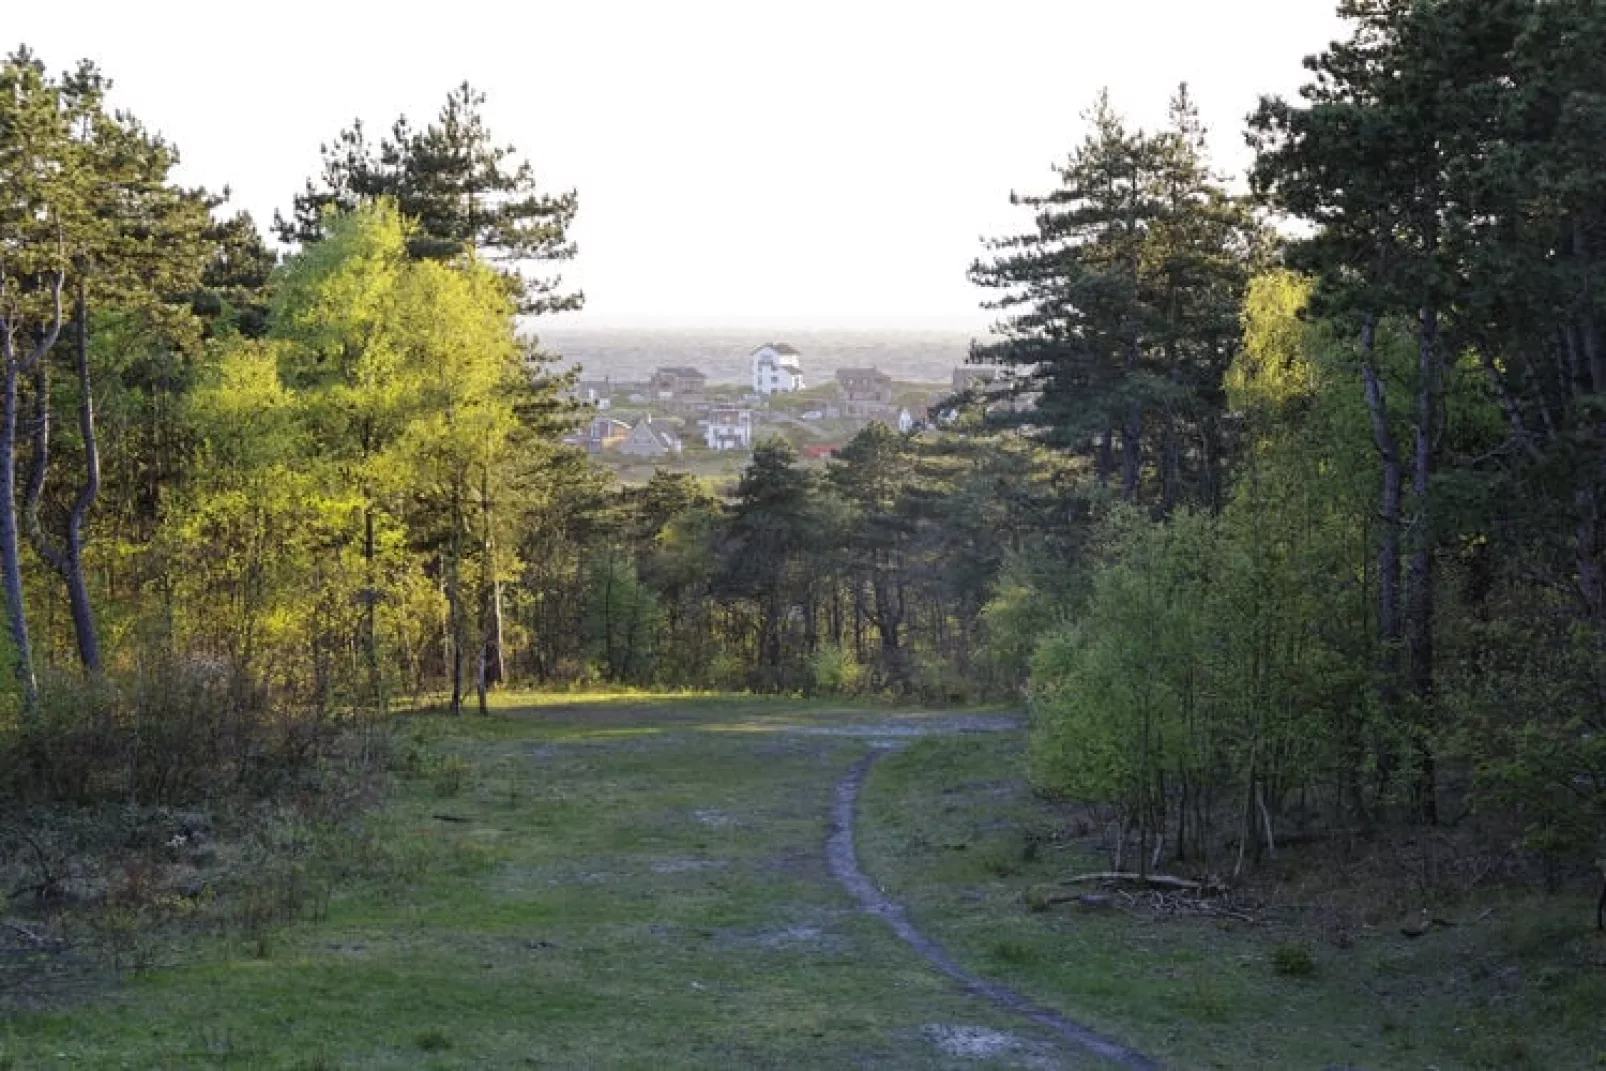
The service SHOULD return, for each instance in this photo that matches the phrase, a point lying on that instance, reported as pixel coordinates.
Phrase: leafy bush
(836, 670)
(176, 731)
(1293, 959)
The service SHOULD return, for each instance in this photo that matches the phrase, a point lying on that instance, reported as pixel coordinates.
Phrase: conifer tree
(1119, 307)
(465, 191)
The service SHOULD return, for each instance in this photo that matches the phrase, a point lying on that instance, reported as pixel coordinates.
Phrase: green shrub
(836, 671)
(1293, 959)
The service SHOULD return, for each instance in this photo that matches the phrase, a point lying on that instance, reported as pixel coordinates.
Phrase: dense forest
(1286, 512)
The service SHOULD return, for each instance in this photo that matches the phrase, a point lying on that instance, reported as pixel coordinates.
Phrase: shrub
(836, 671)
(175, 731)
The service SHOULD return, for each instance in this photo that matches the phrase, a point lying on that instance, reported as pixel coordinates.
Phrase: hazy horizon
(911, 355)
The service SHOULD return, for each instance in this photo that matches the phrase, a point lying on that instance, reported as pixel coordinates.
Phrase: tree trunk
(1132, 453)
(454, 594)
(1419, 606)
(83, 617)
(12, 367)
(1389, 628)
(370, 625)
(1388, 568)
(67, 560)
(10, 549)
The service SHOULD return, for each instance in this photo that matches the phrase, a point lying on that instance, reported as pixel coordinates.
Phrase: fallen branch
(39, 940)
(1158, 881)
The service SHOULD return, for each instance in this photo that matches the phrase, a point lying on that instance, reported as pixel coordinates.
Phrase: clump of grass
(317, 1062)
(451, 775)
(433, 1040)
(1015, 951)
(1001, 862)
(1293, 959)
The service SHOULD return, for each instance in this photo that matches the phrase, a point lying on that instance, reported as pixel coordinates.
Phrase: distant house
(819, 451)
(972, 377)
(603, 433)
(729, 429)
(597, 392)
(866, 392)
(647, 439)
(670, 383)
(906, 421)
(777, 369)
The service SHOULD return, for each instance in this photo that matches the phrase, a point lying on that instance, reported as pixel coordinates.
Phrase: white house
(777, 369)
(906, 421)
(729, 429)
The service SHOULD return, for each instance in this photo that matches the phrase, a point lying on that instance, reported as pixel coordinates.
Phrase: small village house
(777, 369)
(866, 392)
(670, 384)
(973, 376)
(648, 439)
(729, 429)
(603, 433)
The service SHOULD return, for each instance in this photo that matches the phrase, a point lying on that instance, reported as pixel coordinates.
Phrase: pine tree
(464, 191)
(1120, 305)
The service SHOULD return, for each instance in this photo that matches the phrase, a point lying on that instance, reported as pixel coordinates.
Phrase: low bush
(174, 732)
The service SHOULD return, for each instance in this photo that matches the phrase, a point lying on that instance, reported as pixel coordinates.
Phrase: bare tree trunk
(12, 367)
(371, 608)
(1419, 606)
(1390, 632)
(454, 594)
(1388, 601)
(10, 549)
(67, 560)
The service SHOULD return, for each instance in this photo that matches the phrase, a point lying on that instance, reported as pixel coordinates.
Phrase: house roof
(844, 374)
(684, 372)
(658, 432)
(782, 348)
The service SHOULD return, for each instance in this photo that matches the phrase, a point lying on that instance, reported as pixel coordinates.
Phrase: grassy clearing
(634, 881)
(607, 883)
(951, 830)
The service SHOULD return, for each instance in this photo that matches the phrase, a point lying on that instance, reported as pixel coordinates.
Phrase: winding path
(845, 866)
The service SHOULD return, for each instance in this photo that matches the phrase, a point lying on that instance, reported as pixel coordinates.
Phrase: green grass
(945, 822)
(625, 883)
(638, 881)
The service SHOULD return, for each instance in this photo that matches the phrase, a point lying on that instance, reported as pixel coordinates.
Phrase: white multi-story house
(729, 429)
(777, 369)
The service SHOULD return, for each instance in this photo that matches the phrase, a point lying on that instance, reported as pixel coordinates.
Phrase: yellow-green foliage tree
(351, 466)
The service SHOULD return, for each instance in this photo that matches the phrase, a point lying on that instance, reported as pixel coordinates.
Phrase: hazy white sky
(832, 162)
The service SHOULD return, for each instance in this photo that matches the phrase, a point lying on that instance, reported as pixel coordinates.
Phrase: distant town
(677, 411)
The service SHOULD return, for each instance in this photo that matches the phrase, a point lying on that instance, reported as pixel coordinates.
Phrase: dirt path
(844, 862)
